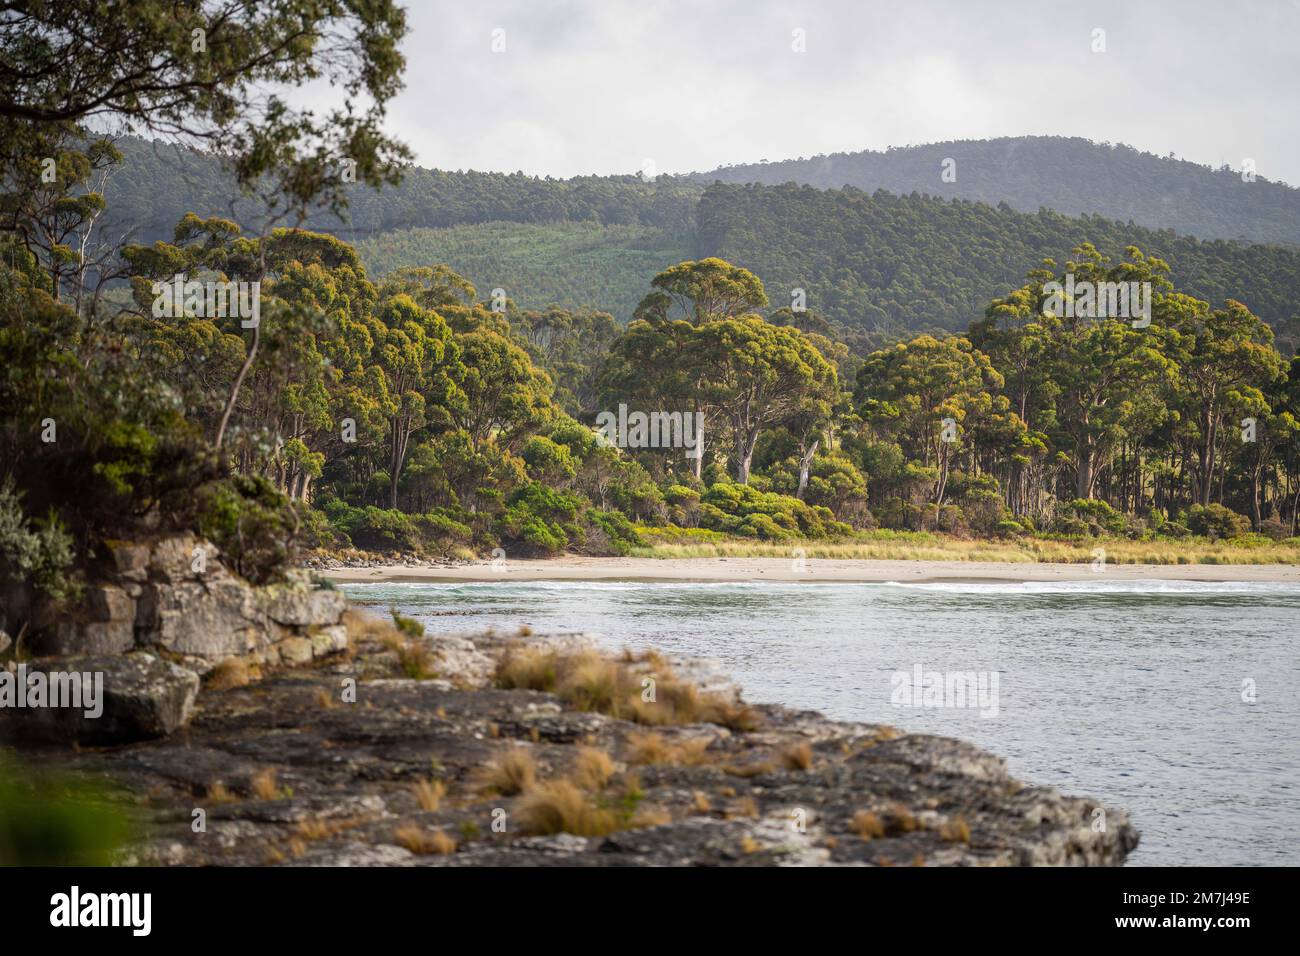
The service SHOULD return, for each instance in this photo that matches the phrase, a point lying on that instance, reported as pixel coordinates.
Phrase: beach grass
(928, 546)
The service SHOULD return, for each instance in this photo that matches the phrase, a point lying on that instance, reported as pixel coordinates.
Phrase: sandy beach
(574, 568)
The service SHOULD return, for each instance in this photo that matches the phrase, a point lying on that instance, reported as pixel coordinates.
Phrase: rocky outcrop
(122, 698)
(353, 764)
(174, 595)
(157, 616)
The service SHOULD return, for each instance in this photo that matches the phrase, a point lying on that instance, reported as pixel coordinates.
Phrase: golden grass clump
(414, 657)
(692, 751)
(651, 747)
(560, 807)
(316, 829)
(424, 842)
(401, 635)
(324, 699)
(899, 819)
(647, 749)
(367, 627)
(879, 736)
(592, 769)
(514, 772)
(429, 793)
(742, 808)
(622, 687)
(230, 673)
(675, 701)
(956, 830)
(700, 802)
(527, 668)
(867, 825)
(731, 714)
(263, 785)
(797, 756)
(594, 683)
(217, 793)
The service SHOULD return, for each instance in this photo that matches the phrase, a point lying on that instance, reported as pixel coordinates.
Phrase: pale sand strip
(814, 570)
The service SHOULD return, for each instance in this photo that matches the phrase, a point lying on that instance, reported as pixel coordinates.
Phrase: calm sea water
(1133, 693)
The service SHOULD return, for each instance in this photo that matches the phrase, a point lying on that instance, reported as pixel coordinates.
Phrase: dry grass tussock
(230, 673)
(514, 772)
(650, 747)
(562, 806)
(429, 793)
(424, 842)
(639, 689)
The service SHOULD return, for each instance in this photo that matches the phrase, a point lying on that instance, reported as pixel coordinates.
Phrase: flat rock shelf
(295, 770)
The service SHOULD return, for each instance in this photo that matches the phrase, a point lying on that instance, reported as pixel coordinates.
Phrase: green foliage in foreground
(50, 820)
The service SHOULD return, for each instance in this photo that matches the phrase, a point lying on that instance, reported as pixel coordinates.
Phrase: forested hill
(895, 263)
(890, 263)
(157, 184)
(1068, 174)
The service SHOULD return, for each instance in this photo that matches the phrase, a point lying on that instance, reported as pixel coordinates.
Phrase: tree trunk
(805, 463)
(239, 382)
(1256, 480)
(1205, 458)
(697, 463)
(1086, 476)
(745, 442)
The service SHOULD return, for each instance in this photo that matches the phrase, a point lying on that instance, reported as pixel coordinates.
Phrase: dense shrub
(610, 532)
(38, 552)
(747, 512)
(1275, 528)
(984, 510)
(834, 482)
(389, 530)
(382, 529)
(1070, 527)
(1099, 516)
(251, 524)
(1215, 522)
(952, 520)
(539, 519)
(319, 532)
(548, 462)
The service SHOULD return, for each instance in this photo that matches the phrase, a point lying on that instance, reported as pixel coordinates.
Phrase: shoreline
(812, 571)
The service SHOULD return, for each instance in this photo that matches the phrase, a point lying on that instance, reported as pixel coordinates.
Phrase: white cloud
(596, 87)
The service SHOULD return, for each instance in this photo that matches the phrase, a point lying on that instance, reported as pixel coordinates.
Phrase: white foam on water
(1153, 586)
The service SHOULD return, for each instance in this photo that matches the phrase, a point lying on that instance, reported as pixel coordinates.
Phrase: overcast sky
(600, 87)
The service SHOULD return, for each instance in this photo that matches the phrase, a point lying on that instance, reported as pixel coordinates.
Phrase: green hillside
(157, 184)
(564, 263)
